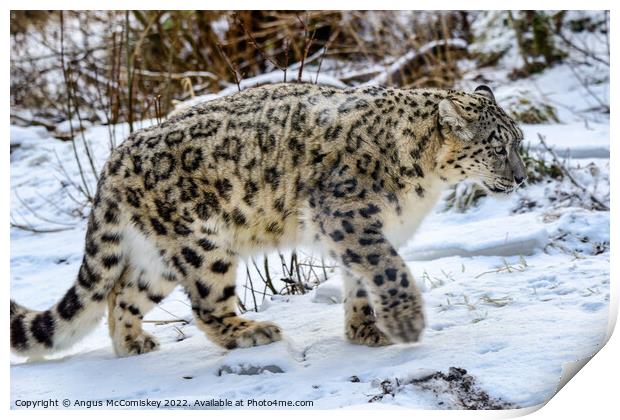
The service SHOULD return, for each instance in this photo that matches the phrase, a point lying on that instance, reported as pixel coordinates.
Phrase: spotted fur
(353, 171)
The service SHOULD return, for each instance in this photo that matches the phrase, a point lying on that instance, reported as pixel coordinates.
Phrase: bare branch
(569, 175)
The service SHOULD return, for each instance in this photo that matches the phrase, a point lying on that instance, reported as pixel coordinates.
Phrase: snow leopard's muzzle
(510, 172)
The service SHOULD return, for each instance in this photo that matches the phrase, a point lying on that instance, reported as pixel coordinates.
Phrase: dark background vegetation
(124, 66)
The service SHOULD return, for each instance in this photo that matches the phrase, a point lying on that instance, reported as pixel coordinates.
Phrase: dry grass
(128, 66)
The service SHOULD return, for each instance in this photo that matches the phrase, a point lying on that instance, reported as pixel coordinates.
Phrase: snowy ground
(514, 288)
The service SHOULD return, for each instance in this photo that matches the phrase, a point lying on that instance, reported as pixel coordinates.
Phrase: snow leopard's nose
(519, 179)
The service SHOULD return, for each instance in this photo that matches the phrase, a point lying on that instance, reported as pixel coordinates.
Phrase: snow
(512, 292)
(500, 345)
(521, 235)
(328, 292)
(567, 139)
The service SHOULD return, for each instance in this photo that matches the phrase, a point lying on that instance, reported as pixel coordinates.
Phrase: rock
(328, 293)
(247, 369)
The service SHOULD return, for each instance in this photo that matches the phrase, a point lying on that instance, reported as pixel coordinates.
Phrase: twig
(324, 52)
(232, 67)
(136, 50)
(324, 269)
(251, 287)
(307, 44)
(70, 180)
(287, 44)
(520, 40)
(241, 306)
(416, 54)
(169, 321)
(56, 206)
(37, 230)
(33, 120)
(89, 155)
(586, 86)
(171, 314)
(37, 215)
(268, 281)
(564, 169)
(258, 48)
(176, 76)
(129, 58)
(582, 50)
(69, 114)
(106, 107)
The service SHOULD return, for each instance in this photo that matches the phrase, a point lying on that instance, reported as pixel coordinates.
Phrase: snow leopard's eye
(500, 150)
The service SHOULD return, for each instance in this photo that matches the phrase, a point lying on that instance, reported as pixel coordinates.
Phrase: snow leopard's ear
(485, 91)
(451, 117)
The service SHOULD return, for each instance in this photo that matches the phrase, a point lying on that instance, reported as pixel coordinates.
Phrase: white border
(592, 392)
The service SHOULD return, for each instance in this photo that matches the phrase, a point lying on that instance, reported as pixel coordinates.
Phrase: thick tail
(37, 333)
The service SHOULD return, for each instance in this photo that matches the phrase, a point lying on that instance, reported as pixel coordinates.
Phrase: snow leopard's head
(483, 140)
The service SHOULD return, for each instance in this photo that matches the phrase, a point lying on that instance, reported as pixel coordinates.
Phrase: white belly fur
(400, 228)
(143, 257)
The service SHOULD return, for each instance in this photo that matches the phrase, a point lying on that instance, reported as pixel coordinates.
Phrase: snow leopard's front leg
(352, 231)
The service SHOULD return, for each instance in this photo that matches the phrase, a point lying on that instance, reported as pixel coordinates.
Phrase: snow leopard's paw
(402, 326)
(138, 344)
(253, 333)
(367, 333)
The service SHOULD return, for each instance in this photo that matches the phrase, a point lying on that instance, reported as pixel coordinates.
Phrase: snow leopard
(351, 171)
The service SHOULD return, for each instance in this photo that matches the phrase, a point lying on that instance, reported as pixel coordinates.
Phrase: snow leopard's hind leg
(207, 270)
(134, 295)
(360, 321)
